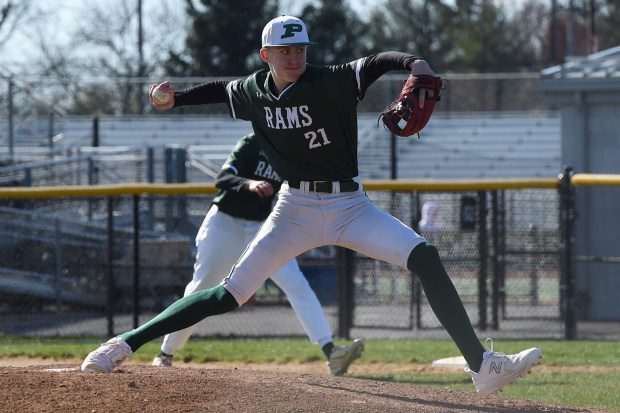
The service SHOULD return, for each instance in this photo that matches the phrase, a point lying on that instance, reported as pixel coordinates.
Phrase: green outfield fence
(101, 259)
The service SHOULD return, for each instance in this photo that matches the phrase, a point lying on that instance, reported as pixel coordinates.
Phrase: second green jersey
(247, 161)
(309, 131)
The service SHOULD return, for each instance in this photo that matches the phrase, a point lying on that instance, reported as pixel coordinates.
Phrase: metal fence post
(150, 164)
(533, 270)
(567, 221)
(181, 177)
(169, 178)
(483, 256)
(27, 204)
(345, 259)
(502, 246)
(110, 269)
(136, 261)
(95, 131)
(496, 257)
(10, 115)
(28, 177)
(92, 171)
(57, 263)
(416, 288)
(150, 177)
(50, 130)
(91, 181)
(393, 201)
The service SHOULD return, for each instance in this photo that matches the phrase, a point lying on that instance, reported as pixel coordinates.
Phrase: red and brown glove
(405, 117)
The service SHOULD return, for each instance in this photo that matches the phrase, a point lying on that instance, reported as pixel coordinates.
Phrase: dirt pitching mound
(62, 387)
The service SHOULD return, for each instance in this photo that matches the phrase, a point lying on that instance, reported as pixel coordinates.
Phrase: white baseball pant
(302, 220)
(220, 242)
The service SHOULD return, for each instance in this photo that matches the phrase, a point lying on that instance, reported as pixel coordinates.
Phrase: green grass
(590, 389)
(598, 390)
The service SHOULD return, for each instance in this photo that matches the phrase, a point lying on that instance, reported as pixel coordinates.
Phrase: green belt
(327, 187)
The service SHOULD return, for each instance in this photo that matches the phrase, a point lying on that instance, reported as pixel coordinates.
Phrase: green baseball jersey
(309, 131)
(246, 160)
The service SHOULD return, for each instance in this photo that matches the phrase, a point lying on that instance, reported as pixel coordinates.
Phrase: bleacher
(155, 131)
(452, 146)
(473, 145)
(483, 146)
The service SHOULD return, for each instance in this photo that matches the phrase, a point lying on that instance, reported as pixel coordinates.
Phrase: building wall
(591, 144)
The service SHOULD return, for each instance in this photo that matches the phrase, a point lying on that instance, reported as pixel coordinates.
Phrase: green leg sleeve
(445, 302)
(181, 314)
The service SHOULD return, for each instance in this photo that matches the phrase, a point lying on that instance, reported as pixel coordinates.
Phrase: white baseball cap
(285, 31)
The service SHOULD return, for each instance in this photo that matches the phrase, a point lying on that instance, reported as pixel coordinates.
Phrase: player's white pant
(220, 242)
(302, 220)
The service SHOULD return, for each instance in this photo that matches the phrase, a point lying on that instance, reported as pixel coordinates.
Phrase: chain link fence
(69, 268)
(61, 276)
(501, 249)
(27, 118)
(82, 166)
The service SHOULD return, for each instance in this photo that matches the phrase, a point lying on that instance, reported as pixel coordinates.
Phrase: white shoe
(109, 355)
(162, 361)
(498, 369)
(341, 357)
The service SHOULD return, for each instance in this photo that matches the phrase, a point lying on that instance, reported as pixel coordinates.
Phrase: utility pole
(554, 33)
(570, 35)
(10, 114)
(593, 35)
(140, 60)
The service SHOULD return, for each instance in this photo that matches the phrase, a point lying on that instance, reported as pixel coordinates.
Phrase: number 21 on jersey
(316, 139)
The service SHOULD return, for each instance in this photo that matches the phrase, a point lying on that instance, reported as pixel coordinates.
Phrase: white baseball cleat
(341, 357)
(162, 361)
(499, 369)
(109, 355)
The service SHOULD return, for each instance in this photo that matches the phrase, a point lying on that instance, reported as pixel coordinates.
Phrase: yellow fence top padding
(106, 190)
(595, 179)
(370, 185)
(186, 189)
(461, 185)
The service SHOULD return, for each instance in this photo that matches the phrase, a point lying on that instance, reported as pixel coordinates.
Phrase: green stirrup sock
(327, 349)
(181, 314)
(445, 302)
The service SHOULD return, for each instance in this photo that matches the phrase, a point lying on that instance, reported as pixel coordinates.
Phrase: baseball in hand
(161, 97)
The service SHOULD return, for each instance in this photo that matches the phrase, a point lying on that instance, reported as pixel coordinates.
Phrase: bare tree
(11, 11)
(13, 15)
(106, 45)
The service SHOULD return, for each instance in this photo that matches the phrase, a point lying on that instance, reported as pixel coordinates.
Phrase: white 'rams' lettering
(268, 171)
(259, 168)
(265, 170)
(269, 116)
(303, 111)
(292, 115)
(279, 119)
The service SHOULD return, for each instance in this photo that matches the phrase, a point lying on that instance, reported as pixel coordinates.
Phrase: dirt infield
(133, 388)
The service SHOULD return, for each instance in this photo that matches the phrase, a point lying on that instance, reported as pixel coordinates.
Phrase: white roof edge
(578, 61)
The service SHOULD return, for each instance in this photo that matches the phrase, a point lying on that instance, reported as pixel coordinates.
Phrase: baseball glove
(404, 117)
